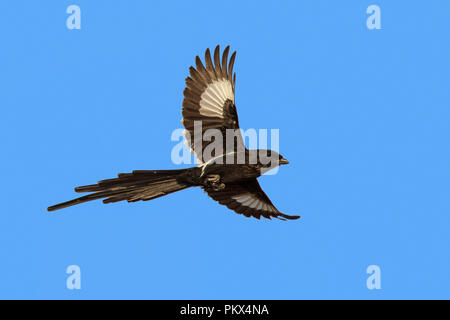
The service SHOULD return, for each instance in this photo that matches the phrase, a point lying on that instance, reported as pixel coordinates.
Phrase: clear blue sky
(363, 116)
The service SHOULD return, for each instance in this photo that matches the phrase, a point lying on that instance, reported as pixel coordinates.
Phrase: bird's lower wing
(247, 198)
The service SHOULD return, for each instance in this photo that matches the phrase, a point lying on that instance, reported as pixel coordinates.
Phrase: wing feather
(209, 99)
(247, 198)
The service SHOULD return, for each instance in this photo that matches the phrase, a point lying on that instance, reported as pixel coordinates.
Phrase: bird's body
(228, 174)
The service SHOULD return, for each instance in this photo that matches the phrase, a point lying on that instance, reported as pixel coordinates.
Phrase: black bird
(208, 101)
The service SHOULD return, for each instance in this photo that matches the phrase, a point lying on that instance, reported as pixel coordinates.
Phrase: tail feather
(139, 185)
(137, 177)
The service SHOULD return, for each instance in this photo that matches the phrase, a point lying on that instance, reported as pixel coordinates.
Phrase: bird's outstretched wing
(247, 198)
(209, 99)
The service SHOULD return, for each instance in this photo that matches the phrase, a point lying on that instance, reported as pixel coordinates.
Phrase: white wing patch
(213, 98)
(249, 200)
(198, 146)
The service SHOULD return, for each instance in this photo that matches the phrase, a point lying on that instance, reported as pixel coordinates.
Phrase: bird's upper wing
(247, 198)
(209, 98)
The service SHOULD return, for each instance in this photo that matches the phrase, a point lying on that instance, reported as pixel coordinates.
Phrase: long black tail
(138, 185)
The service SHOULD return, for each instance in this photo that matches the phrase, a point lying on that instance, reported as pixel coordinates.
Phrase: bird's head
(282, 160)
(271, 159)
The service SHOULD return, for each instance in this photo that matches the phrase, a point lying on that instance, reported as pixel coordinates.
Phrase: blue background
(363, 117)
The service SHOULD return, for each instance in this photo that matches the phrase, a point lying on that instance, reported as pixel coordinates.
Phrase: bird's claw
(218, 186)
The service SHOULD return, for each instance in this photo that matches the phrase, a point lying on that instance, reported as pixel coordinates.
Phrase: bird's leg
(213, 178)
(213, 181)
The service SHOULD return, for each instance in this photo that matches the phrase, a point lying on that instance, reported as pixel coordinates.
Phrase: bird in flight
(228, 173)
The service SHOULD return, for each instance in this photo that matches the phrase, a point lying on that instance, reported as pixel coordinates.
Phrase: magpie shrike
(227, 174)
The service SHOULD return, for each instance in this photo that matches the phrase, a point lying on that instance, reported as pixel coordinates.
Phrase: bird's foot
(213, 181)
(218, 186)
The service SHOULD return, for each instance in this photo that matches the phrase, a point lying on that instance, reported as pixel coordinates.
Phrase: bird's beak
(284, 161)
